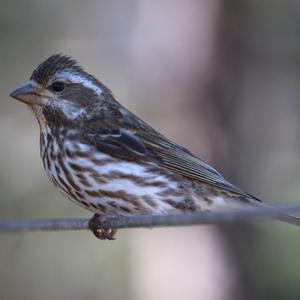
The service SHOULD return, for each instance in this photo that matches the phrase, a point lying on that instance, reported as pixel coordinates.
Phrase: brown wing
(126, 144)
(182, 161)
(119, 142)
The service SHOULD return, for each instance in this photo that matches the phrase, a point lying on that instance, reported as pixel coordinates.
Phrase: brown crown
(52, 65)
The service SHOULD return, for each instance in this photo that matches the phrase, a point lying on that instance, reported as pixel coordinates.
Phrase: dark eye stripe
(58, 86)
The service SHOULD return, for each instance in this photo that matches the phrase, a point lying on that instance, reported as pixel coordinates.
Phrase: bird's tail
(291, 219)
(285, 217)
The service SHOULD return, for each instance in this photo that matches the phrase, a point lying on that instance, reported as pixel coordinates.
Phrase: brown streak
(67, 174)
(102, 162)
(86, 204)
(149, 200)
(101, 207)
(83, 154)
(83, 180)
(79, 168)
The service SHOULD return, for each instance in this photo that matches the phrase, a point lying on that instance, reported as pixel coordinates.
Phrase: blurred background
(219, 77)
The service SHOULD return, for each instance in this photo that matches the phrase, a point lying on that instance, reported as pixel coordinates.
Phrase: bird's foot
(96, 225)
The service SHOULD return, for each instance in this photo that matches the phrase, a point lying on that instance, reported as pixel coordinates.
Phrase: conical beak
(27, 93)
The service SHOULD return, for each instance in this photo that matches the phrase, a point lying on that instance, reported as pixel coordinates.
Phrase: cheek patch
(70, 109)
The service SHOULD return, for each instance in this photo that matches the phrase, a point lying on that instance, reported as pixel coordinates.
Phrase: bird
(112, 163)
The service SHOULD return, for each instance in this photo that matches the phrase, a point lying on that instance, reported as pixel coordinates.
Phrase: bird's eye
(58, 86)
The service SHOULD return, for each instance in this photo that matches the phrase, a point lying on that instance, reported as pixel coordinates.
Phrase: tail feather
(287, 218)
(291, 219)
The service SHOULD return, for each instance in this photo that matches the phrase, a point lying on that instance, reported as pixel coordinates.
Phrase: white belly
(101, 183)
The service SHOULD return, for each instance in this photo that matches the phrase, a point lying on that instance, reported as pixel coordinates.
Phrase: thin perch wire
(149, 221)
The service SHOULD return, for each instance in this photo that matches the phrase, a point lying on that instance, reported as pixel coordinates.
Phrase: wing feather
(182, 161)
(127, 144)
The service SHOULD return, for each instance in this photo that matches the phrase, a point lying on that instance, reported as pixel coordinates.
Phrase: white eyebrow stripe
(75, 77)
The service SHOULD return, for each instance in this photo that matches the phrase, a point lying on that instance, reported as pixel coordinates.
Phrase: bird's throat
(38, 112)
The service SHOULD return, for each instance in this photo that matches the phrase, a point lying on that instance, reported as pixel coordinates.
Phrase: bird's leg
(99, 230)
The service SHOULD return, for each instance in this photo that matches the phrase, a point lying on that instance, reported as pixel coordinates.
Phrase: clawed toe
(101, 232)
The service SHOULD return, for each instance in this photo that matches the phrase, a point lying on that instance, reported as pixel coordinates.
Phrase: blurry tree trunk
(256, 89)
(172, 71)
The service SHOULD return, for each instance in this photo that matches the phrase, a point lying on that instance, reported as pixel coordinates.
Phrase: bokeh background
(220, 77)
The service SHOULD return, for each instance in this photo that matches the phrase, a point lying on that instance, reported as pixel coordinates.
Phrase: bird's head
(61, 91)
